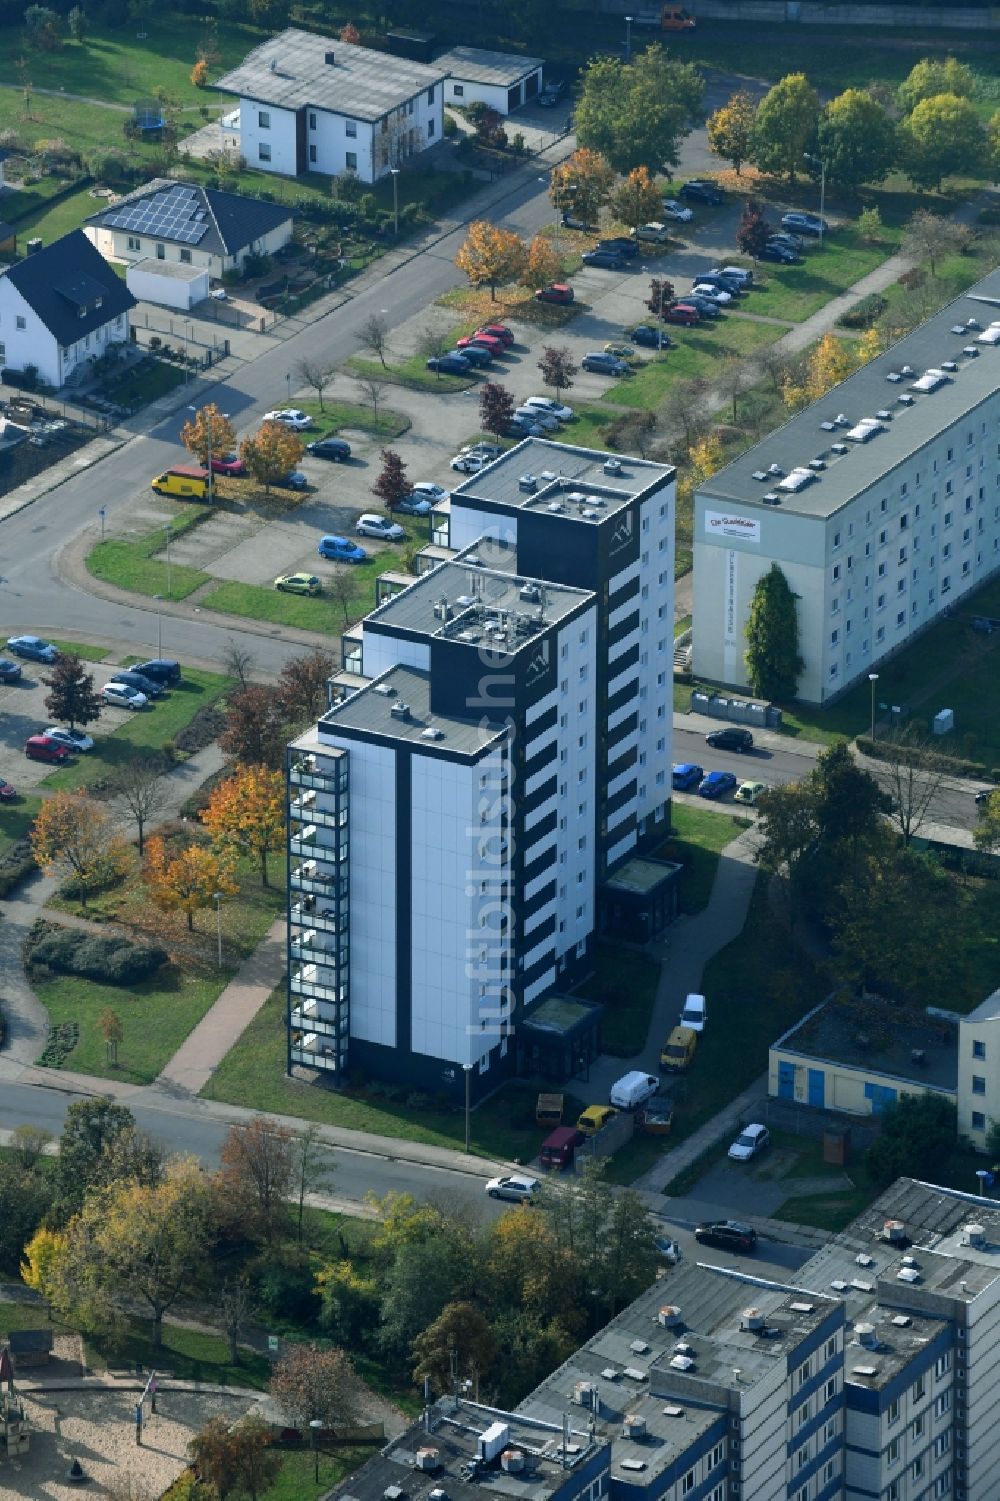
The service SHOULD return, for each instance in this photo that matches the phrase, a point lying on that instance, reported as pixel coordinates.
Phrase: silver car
(517, 1187)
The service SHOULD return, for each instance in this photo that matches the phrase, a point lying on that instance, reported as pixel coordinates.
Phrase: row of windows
(350, 126)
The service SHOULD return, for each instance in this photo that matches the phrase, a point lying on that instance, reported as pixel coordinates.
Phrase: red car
(496, 331)
(559, 291)
(480, 341)
(8, 794)
(230, 464)
(681, 312)
(43, 748)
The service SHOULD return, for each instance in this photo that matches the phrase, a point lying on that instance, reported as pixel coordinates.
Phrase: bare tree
(770, 361)
(234, 1305)
(318, 373)
(341, 589)
(372, 388)
(684, 408)
(373, 335)
(142, 790)
(929, 237)
(911, 772)
(239, 662)
(434, 342)
(312, 1167)
(731, 382)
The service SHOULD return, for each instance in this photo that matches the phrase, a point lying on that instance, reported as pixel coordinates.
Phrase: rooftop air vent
(990, 335)
(759, 474)
(512, 1461)
(589, 514)
(902, 1320)
(438, 1493)
(796, 479)
(635, 1374)
(584, 1393)
(633, 1464)
(442, 609)
(865, 1372)
(906, 400)
(400, 711)
(548, 475)
(839, 1285)
(863, 1259)
(973, 1235)
(556, 507)
(576, 497)
(865, 429)
(394, 1493)
(894, 1231)
(930, 380)
(683, 1348)
(633, 1426)
(772, 498)
(432, 733)
(957, 328)
(428, 1459)
(972, 322)
(883, 414)
(909, 1261)
(862, 1285)
(639, 1347)
(866, 1335)
(971, 351)
(894, 376)
(465, 600)
(752, 1319)
(840, 448)
(775, 469)
(669, 1316)
(907, 370)
(908, 1274)
(673, 1412)
(330, 58)
(612, 466)
(817, 464)
(842, 420)
(530, 594)
(803, 1307)
(828, 427)
(610, 1373)
(948, 365)
(384, 688)
(527, 483)
(682, 1363)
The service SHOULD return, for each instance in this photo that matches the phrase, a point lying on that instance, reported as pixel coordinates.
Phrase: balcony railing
(307, 843)
(311, 774)
(327, 1059)
(324, 919)
(327, 818)
(306, 982)
(318, 879)
(332, 957)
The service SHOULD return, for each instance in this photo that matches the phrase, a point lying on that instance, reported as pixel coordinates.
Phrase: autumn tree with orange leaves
(491, 256)
(582, 185)
(541, 265)
(189, 881)
(76, 837)
(246, 814)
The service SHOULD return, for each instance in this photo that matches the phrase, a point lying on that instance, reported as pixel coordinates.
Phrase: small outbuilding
(168, 283)
(503, 80)
(29, 1347)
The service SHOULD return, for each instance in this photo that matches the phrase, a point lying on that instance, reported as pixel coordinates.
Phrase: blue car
(717, 784)
(32, 647)
(686, 775)
(341, 550)
(296, 480)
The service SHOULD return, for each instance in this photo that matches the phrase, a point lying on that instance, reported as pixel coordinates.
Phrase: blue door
(817, 1087)
(786, 1081)
(881, 1096)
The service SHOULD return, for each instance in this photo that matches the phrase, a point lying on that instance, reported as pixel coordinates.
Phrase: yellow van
(185, 484)
(594, 1118)
(678, 1050)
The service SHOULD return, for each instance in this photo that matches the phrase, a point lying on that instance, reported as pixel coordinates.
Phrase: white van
(633, 1089)
(695, 1013)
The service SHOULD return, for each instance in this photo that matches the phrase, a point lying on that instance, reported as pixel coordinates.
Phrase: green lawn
(51, 220)
(188, 1354)
(625, 984)
(147, 730)
(411, 372)
(335, 415)
(636, 1157)
(697, 352)
(697, 840)
(146, 383)
(253, 1074)
(82, 649)
(16, 819)
(795, 292)
(136, 566)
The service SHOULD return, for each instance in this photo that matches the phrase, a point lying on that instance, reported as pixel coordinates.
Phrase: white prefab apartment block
(503, 80)
(315, 104)
(880, 503)
(505, 748)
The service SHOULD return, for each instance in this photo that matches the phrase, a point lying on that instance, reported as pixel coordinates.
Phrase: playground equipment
(15, 1430)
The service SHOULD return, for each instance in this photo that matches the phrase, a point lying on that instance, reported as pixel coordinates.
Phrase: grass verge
(16, 819)
(412, 373)
(697, 840)
(190, 1354)
(82, 649)
(635, 1158)
(697, 352)
(136, 566)
(796, 292)
(335, 415)
(625, 984)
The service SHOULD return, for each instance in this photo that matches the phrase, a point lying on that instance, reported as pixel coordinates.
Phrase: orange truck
(676, 18)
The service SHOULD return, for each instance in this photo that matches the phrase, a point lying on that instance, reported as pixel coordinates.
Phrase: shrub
(199, 73)
(864, 313)
(205, 726)
(111, 957)
(954, 765)
(16, 864)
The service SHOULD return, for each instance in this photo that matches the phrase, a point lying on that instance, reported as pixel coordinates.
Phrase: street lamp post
(314, 1427)
(394, 172)
(158, 598)
(217, 899)
(873, 679)
(628, 38)
(818, 162)
(467, 1067)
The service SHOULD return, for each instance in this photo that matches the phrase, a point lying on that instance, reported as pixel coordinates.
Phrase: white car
(537, 418)
(73, 740)
(712, 294)
(679, 211)
(291, 417)
(370, 525)
(123, 697)
(550, 408)
(470, 463)
(668, 1249)
(515, 1186)
(749, 1143)
(427, 490)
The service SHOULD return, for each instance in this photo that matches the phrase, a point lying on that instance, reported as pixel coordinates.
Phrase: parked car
(370, 525)
(10, 672)
(706, 306)
(471, 463)
(35, 648)
(552, 93)
(720, 281)
(677, 211)
(605, 364)
(709, 293)
(293, 480)
(654, 232)
(595, 1118)
(624, 244)
(668, 1249)
(650, 337)
(498, 331)
(8, 792)
(427, 490)
(550, 407)
(620, 350)
(413, 505)
(559, 291)
(684, 313)
(749, 792)
(477, 355)
(161, 670)
(686, 775)
(484, 449)
(716, 784)
(983, 796)
(532, 416)
(121, 696)
(805, 224)
(230, 464)
(517, 1187)
(482, 341)
(700, 190)
(729, 1235)
(337, 449)
(449, 364)
(750, 1143)
(524, 427)
(633, 1089)
(298, 583)
(291, 417)
(742, 275)
(41, 748)
(573, 221)
(785, 237)
(778, 254)
(133, 678)
(694, 1013)
(340, 550)
(678, 1050)
(731, 738)
(608, 260)
(73, 740)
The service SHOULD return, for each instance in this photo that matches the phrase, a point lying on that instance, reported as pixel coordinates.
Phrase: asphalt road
(772, 1258)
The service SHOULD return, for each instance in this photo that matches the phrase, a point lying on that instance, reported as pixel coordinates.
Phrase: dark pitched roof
(71, 287)
(184, 213)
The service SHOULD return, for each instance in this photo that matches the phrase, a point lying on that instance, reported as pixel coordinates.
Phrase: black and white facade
(506, 746)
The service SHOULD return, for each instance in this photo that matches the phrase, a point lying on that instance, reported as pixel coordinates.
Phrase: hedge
(16, 864)
(864, 313)
(914, 755)
(108, 957)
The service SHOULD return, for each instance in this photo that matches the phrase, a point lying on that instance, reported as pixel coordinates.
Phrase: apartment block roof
(853, 439)
(479, 65)
(583, 484)
(879, 1037)
(397, 706)
(298, 68)
(483, 606)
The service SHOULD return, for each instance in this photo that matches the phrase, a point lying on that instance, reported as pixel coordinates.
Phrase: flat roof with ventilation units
(942, 371)
(582, 484)
(865, 429)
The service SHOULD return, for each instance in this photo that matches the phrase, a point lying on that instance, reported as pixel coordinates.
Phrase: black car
(552, 93)
(336, 449)
(160, 670)
(720, 281)
(476, 355)
(450, 364)
(650, 337)
(701, 191)
(138, 680)
(610, 260)
(10, 672)
(780, 254)
(705, 305)
(624, 246)
(732, 738)
(729, 1235)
